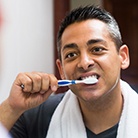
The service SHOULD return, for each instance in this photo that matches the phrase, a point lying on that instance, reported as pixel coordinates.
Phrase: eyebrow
(90, 42)
(69, 46)
(93, 41)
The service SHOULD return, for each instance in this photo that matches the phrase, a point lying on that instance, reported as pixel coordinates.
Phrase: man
(90, 45)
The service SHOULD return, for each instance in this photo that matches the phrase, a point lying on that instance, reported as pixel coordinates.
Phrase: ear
(124, 56)
(60, 68)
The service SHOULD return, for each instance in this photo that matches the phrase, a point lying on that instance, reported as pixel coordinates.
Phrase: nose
(85, 61)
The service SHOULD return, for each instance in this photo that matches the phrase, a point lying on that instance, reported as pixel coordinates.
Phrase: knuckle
(28, 82)
(38, 78)
(20, 75)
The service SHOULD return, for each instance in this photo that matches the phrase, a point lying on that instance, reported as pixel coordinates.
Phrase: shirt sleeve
(35, 122)
(19, 129)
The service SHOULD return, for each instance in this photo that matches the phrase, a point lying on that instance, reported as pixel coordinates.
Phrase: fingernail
(42, 92)
(54, 88)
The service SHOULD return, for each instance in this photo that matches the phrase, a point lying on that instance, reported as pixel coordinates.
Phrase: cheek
(110, 65)
(66, 71)
(69, 70)
(111, 61)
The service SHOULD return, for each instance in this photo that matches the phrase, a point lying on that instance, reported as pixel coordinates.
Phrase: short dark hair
(90, 12)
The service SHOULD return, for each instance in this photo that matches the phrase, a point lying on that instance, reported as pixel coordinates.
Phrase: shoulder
(35, 122)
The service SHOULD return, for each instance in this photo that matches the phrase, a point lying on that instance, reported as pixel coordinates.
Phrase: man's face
(86, 50)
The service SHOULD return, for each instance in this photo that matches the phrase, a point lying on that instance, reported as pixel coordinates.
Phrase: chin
(89, 96)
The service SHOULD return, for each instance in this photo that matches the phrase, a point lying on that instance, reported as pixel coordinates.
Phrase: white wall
(27, 40)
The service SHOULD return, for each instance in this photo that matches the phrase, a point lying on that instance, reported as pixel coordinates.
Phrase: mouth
(96, 76)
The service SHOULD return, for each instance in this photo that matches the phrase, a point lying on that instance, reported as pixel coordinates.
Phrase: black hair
(90, 12)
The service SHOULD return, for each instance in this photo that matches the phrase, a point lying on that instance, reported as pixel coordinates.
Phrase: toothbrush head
(90, 80)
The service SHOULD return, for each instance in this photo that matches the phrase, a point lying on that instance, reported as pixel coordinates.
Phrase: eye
(98, 50)
(71, 55)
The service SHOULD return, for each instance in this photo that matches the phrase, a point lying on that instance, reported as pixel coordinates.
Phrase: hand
(37, 88)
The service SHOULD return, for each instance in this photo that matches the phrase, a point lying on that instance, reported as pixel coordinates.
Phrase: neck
(102, 114)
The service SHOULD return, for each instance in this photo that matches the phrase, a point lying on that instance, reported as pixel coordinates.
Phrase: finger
(22, 80)
(45, 83)
(36, 81)
(49, 82)
(53, 83)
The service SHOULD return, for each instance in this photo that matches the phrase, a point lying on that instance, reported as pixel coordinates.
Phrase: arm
(38, 87)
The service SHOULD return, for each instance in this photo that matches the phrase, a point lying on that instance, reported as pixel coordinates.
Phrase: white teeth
(93, 76)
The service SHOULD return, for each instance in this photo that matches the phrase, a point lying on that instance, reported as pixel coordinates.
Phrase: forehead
(85, 30)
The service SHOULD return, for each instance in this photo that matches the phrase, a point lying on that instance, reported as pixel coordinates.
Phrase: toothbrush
(89, 80)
